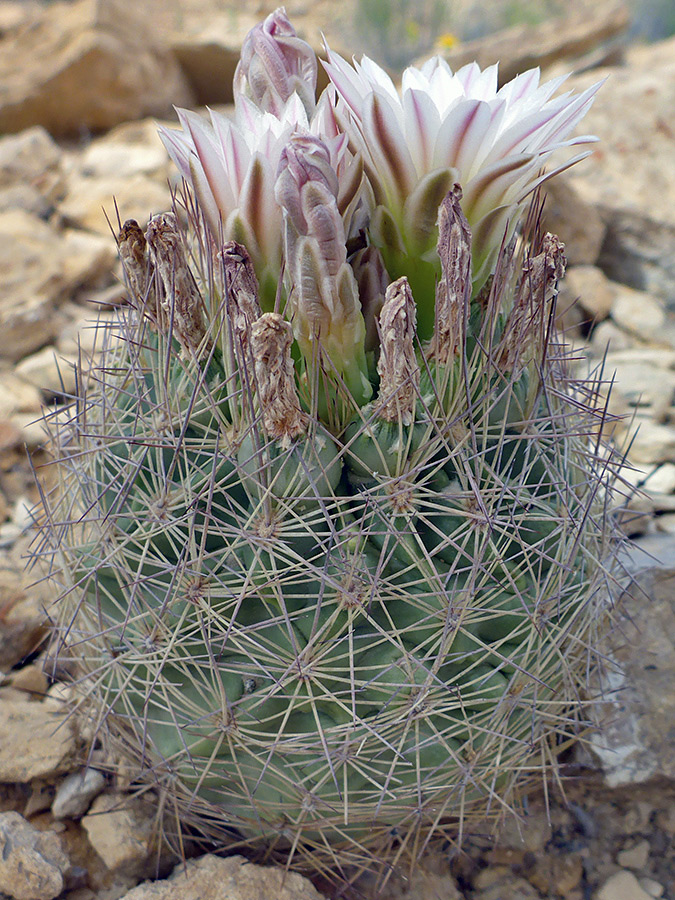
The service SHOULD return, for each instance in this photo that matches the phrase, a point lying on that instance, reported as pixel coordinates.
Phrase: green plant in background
(398, 31)
(331, 579)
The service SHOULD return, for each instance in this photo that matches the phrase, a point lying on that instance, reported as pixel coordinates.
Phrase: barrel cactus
(331, 581)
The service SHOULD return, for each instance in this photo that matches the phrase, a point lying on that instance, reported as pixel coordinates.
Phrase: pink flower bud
(274, 64)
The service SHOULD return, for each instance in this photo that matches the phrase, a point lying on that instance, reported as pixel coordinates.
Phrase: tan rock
(622, 886)
(591, 288)
(637, 712)
(87, 64)
(639, 313)
(133, 148)
(635, 857)
(88, 200)
(32, 862)
(522, 47)
(17, 395)
(650, 442)
(654, 888)
(49, 371)
(76, 792)
(422, 884)
(121, 831)
(608, 336)
(209, 55)
(577, 223)
(86, 331)
(88, 259)
(630, 176)
(33, 280)
(213, 878)
(36, 742)
(31, 159)
(30, 679)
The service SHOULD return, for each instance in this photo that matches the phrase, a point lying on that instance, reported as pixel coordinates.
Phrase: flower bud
(324, 298)
(274, 64)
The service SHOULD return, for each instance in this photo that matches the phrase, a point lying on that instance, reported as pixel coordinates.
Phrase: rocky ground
(82, 85)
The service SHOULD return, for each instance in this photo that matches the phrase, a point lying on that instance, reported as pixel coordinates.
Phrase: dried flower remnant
(271, 339)
(180, 298)
(454, 287)
(525, 328)
(242, 294)
(397, 366)
(133, 253)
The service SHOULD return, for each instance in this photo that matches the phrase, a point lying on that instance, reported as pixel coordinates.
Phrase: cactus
(332, 588)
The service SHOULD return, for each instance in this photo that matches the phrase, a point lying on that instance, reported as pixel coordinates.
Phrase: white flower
(442, 128)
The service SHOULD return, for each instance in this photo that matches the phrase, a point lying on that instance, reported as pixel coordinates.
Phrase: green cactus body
(330, 638)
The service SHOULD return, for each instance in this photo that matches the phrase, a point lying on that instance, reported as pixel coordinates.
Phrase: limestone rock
(133, 148)
(49, 371)
(591, 288)
(88, 259)
(31, 159)
(89, 200)
(642, 315)
(76, 792)
(650, 441)
(213, 878)
(121, 832)
(576, 222)
(17, 396)
(209, 55)
(32, 862)
(630, 175)
(524, 47)
(636, 711)
(89, 64)
(33, 280)
(622, 886)
(635, 857)
(36, 742)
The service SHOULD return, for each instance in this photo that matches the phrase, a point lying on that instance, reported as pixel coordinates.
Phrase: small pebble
(622, 885)
(76, 792)
(634, 857)
(653, 888)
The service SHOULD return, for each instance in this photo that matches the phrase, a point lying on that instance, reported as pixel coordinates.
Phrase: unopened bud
(372, 280)
(274, 64)
(454, 288)
(327, 318)
(397, 366)
(282, 417)
(180, 299)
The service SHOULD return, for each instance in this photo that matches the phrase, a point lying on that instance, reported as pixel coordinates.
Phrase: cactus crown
(332, 583)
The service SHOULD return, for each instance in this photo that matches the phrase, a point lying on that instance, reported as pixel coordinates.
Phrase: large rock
(36, 741)
(33, 281)
(212, 878)
(31, 159)
(636, 707)
(577, 223)
(87, 65)
(32, 862)
(630, 175)
(577, 33)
